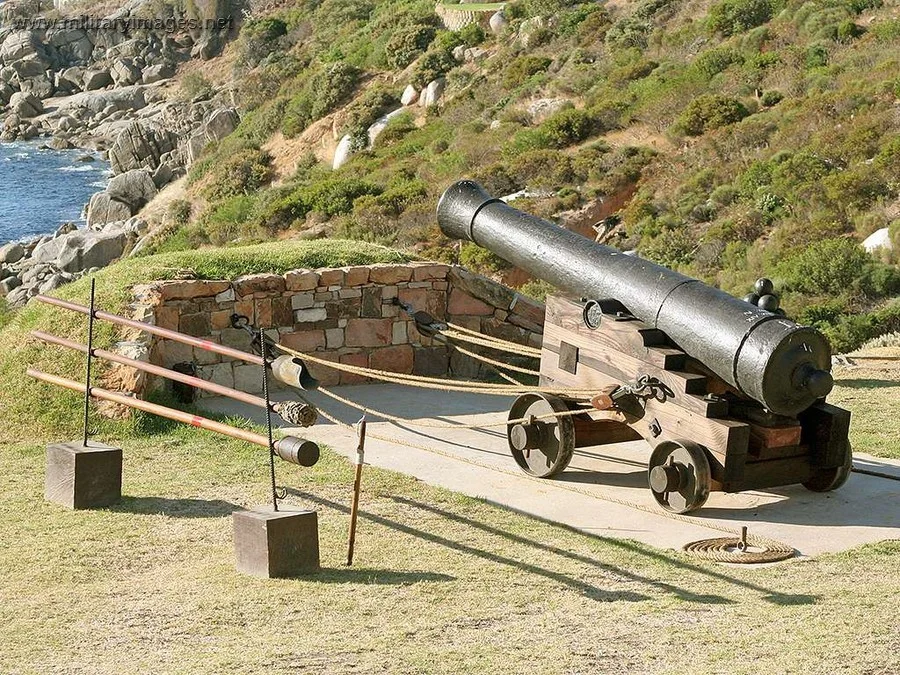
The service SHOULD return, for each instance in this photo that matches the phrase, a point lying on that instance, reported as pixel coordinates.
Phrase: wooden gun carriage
(731, 397)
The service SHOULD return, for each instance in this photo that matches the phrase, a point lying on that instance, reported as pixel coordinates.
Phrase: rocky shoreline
(104, 91)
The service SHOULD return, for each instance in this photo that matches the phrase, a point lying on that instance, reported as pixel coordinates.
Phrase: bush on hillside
(258, 38)
(629, 33)
(524, 67)
(433, 65)
(827, 267)
(407, 43)
(710, 111)
(713, 61)
(730, 17)
(322, 94)
(239, 174)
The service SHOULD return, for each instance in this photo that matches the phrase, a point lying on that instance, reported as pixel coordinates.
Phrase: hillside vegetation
(742, 137)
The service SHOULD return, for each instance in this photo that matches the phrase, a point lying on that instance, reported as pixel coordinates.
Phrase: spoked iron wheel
(544, 445)
(679, 476)
(825, 480)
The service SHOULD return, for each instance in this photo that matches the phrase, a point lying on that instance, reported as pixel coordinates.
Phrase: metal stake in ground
(265, 383)
(90, 355)
(357, 483)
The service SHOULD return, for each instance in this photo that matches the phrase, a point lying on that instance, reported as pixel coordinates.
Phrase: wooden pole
(357, 484)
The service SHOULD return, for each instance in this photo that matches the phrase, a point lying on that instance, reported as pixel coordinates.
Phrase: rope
(726, 549)
(753, 540)
(448, 425)
(500, 342)
(492, 343)
(438, 383)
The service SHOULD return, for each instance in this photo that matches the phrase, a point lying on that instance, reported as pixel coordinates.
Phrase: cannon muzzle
(775, 361)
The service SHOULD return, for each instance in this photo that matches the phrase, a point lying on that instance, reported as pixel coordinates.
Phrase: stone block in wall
(430, 361)
(391, 311)
(518, 320)
(399, 334)
(263, 312)
(221, 319)
(429, 271)
(371, 303)
(327, 377)
(236, 339)
(247, 377)
(304, 340)
(356, 276)
(465, 366)
(389, 274)
(204, 357)
(246, 308)
(389, 292)
(225, 296)
(196, 325)
(331, 277)
(528, 309)
(396, 359)
(481, 287)
(301, 280)
(219, 373)
(360, 359)
(461, 302)
(369, 332)
(416, 297)
(436, 304)
(334, 338)
(259, 283)
(470, 322)
(170, 352)
(190, 289)
(347, 293)
(282, 312)
(302, 301)
(167, 317)
(310, 315)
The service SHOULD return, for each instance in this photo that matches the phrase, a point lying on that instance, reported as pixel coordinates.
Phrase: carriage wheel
(825, 480)
(679, 476)
(542, 447)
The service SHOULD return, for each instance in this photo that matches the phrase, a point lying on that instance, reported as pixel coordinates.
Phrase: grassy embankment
(443, 583)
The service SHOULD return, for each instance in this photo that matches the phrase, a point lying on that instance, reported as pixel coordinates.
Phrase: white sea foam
(82, 168)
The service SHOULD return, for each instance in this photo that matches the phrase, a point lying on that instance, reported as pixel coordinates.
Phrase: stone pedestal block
(80, 477)
(276, 544)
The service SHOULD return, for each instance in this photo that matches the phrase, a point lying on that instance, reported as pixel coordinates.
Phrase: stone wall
(346, 314)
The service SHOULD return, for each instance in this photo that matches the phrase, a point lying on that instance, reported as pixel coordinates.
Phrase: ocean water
(41, 189)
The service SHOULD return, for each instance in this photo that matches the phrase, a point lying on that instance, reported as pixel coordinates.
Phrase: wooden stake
(357, 483)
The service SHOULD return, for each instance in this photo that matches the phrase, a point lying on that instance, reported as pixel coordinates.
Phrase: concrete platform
(476, 462)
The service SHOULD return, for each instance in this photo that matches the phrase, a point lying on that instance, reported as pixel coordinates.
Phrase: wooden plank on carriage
(590, 432)
(773, 437)
(775, 472)
(765, 454)
(631, 337)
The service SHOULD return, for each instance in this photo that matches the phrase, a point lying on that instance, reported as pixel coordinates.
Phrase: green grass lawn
(443, 584)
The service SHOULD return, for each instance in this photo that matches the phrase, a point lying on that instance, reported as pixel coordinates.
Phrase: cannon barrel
(775, 361)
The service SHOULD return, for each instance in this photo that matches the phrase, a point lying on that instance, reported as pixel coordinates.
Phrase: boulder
(134, 188)
(19, 296)
(410, 95)
(85, 249)
(40, 86)
(163, 175)
(155, 73)
(880, 239)
(124, 72)
(432, 93)
(5, 93)
(343, 152)
(140, 145)
(104, 209)
(96, 79)
(70, 79)
(543, 108)
(73, 44)
(9, 284)
(220, 124)
(207, 47)
(11, 253)
(380, 125)
(27, 68)
(20, 45)
(25, 105)
(498, 22)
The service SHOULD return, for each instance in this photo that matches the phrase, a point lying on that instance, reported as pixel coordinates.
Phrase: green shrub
(433, 65)
(179, 212)
(194, 86)
(713, 61)
(257, 39)
(816, 56)
(568, 127)
(735, 16)
(886, 31)
(239, 174)
(481, 260)
(771, 97)
(407, 43)
(542, 168)
(397, 127)
(628, 33)
(825, 267)
(522, 68)
(322, 94)
(224, 221)
(334, 196)
(848, 30)
(710, 111)
(363, 112)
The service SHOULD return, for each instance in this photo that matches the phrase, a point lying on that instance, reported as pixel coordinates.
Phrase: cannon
(731, 396)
